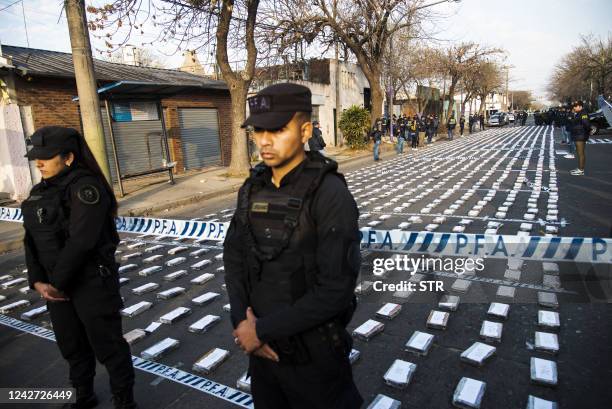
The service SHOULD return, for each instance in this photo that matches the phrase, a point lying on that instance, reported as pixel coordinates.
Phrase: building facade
(149, 108)
(335, 86)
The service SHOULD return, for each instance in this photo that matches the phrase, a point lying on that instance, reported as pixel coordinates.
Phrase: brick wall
(51, 102)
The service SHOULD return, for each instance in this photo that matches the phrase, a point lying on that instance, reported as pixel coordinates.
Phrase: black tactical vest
(280, 235)
(46, 216)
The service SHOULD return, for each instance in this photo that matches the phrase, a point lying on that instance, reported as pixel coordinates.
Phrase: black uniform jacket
(90, 232)
(335, 215)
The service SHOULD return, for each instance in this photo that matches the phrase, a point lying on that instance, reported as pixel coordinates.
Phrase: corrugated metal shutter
(199, 137)
(139, 145)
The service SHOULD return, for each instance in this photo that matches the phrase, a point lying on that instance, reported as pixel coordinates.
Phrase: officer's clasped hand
(265, 351)
(50, 293)
(246, 337)
(246, 333)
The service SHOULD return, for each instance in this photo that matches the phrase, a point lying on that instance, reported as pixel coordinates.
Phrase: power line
(25, 25)
(12, 4)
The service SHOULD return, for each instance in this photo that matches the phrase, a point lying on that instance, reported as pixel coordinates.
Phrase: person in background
(461, 124)
(580, 132)
(430, 128)
(401, 138)
(450, 126)
(414, 136)
(376, 135)
(422, 128)
(316, 143)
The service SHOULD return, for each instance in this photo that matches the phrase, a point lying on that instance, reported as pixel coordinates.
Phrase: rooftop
(45, 63)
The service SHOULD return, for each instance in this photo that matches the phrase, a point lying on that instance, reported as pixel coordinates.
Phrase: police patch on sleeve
(88, 194)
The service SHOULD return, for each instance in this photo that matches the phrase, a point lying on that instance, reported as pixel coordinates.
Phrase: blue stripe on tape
(552, 247)
(531, 247)
(572, 252)
(426, 242)
(443, 241)
(185, 228)
(411, 240)
(193, 229)
(179, 376)
(202, 229)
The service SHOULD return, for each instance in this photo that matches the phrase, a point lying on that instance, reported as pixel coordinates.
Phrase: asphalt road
(584, 360)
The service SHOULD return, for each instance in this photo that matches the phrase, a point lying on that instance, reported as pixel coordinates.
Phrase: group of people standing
(520, 117)
(415, 129)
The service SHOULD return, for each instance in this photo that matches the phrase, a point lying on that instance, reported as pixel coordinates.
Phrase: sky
(535, 33)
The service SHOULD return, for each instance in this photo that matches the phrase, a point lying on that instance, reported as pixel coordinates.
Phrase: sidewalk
(152, 195)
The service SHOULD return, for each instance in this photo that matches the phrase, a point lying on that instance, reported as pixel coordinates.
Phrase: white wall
(14, 168)
(352, 83)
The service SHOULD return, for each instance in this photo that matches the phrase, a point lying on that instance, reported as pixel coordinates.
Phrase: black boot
(124, 399)
(85, 397)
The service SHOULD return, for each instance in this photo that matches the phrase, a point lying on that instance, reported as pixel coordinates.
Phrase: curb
(150, 210)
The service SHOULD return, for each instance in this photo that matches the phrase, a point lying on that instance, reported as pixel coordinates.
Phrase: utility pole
(86, 82)
(338, 137)
(507, 75)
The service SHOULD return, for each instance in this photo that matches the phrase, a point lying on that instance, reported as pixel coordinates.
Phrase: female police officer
(70, 242)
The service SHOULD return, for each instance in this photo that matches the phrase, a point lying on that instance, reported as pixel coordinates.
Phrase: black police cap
(274, 106)
(49, 141)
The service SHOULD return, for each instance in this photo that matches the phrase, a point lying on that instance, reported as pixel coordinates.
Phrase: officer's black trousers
(89, 327)
(324, 383)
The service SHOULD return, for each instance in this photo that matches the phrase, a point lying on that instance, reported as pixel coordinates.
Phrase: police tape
(191, 229)
(184, 378)
(538, 248)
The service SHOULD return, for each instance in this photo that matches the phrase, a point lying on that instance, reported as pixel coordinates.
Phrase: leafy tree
(355, 125)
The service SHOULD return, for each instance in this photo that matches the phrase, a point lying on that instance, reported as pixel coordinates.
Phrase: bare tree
(522, 100)
(490, 79)
(455, 62)
(407, 67)
(365, 27)
(586, 70)
(227, 25)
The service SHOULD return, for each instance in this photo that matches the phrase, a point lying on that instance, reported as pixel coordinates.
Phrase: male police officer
(580, 127)
(291, 258)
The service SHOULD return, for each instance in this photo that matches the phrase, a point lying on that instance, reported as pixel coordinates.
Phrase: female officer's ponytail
(85, 158)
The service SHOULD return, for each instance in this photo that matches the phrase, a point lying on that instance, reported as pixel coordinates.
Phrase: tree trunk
(451, 99)
(465, 101)
(239, 164)
(238, 81)
(377, 94)
(483, 104)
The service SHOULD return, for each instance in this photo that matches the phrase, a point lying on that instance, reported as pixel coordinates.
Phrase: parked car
(504, 118)
(598, 122)
(496, 120)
